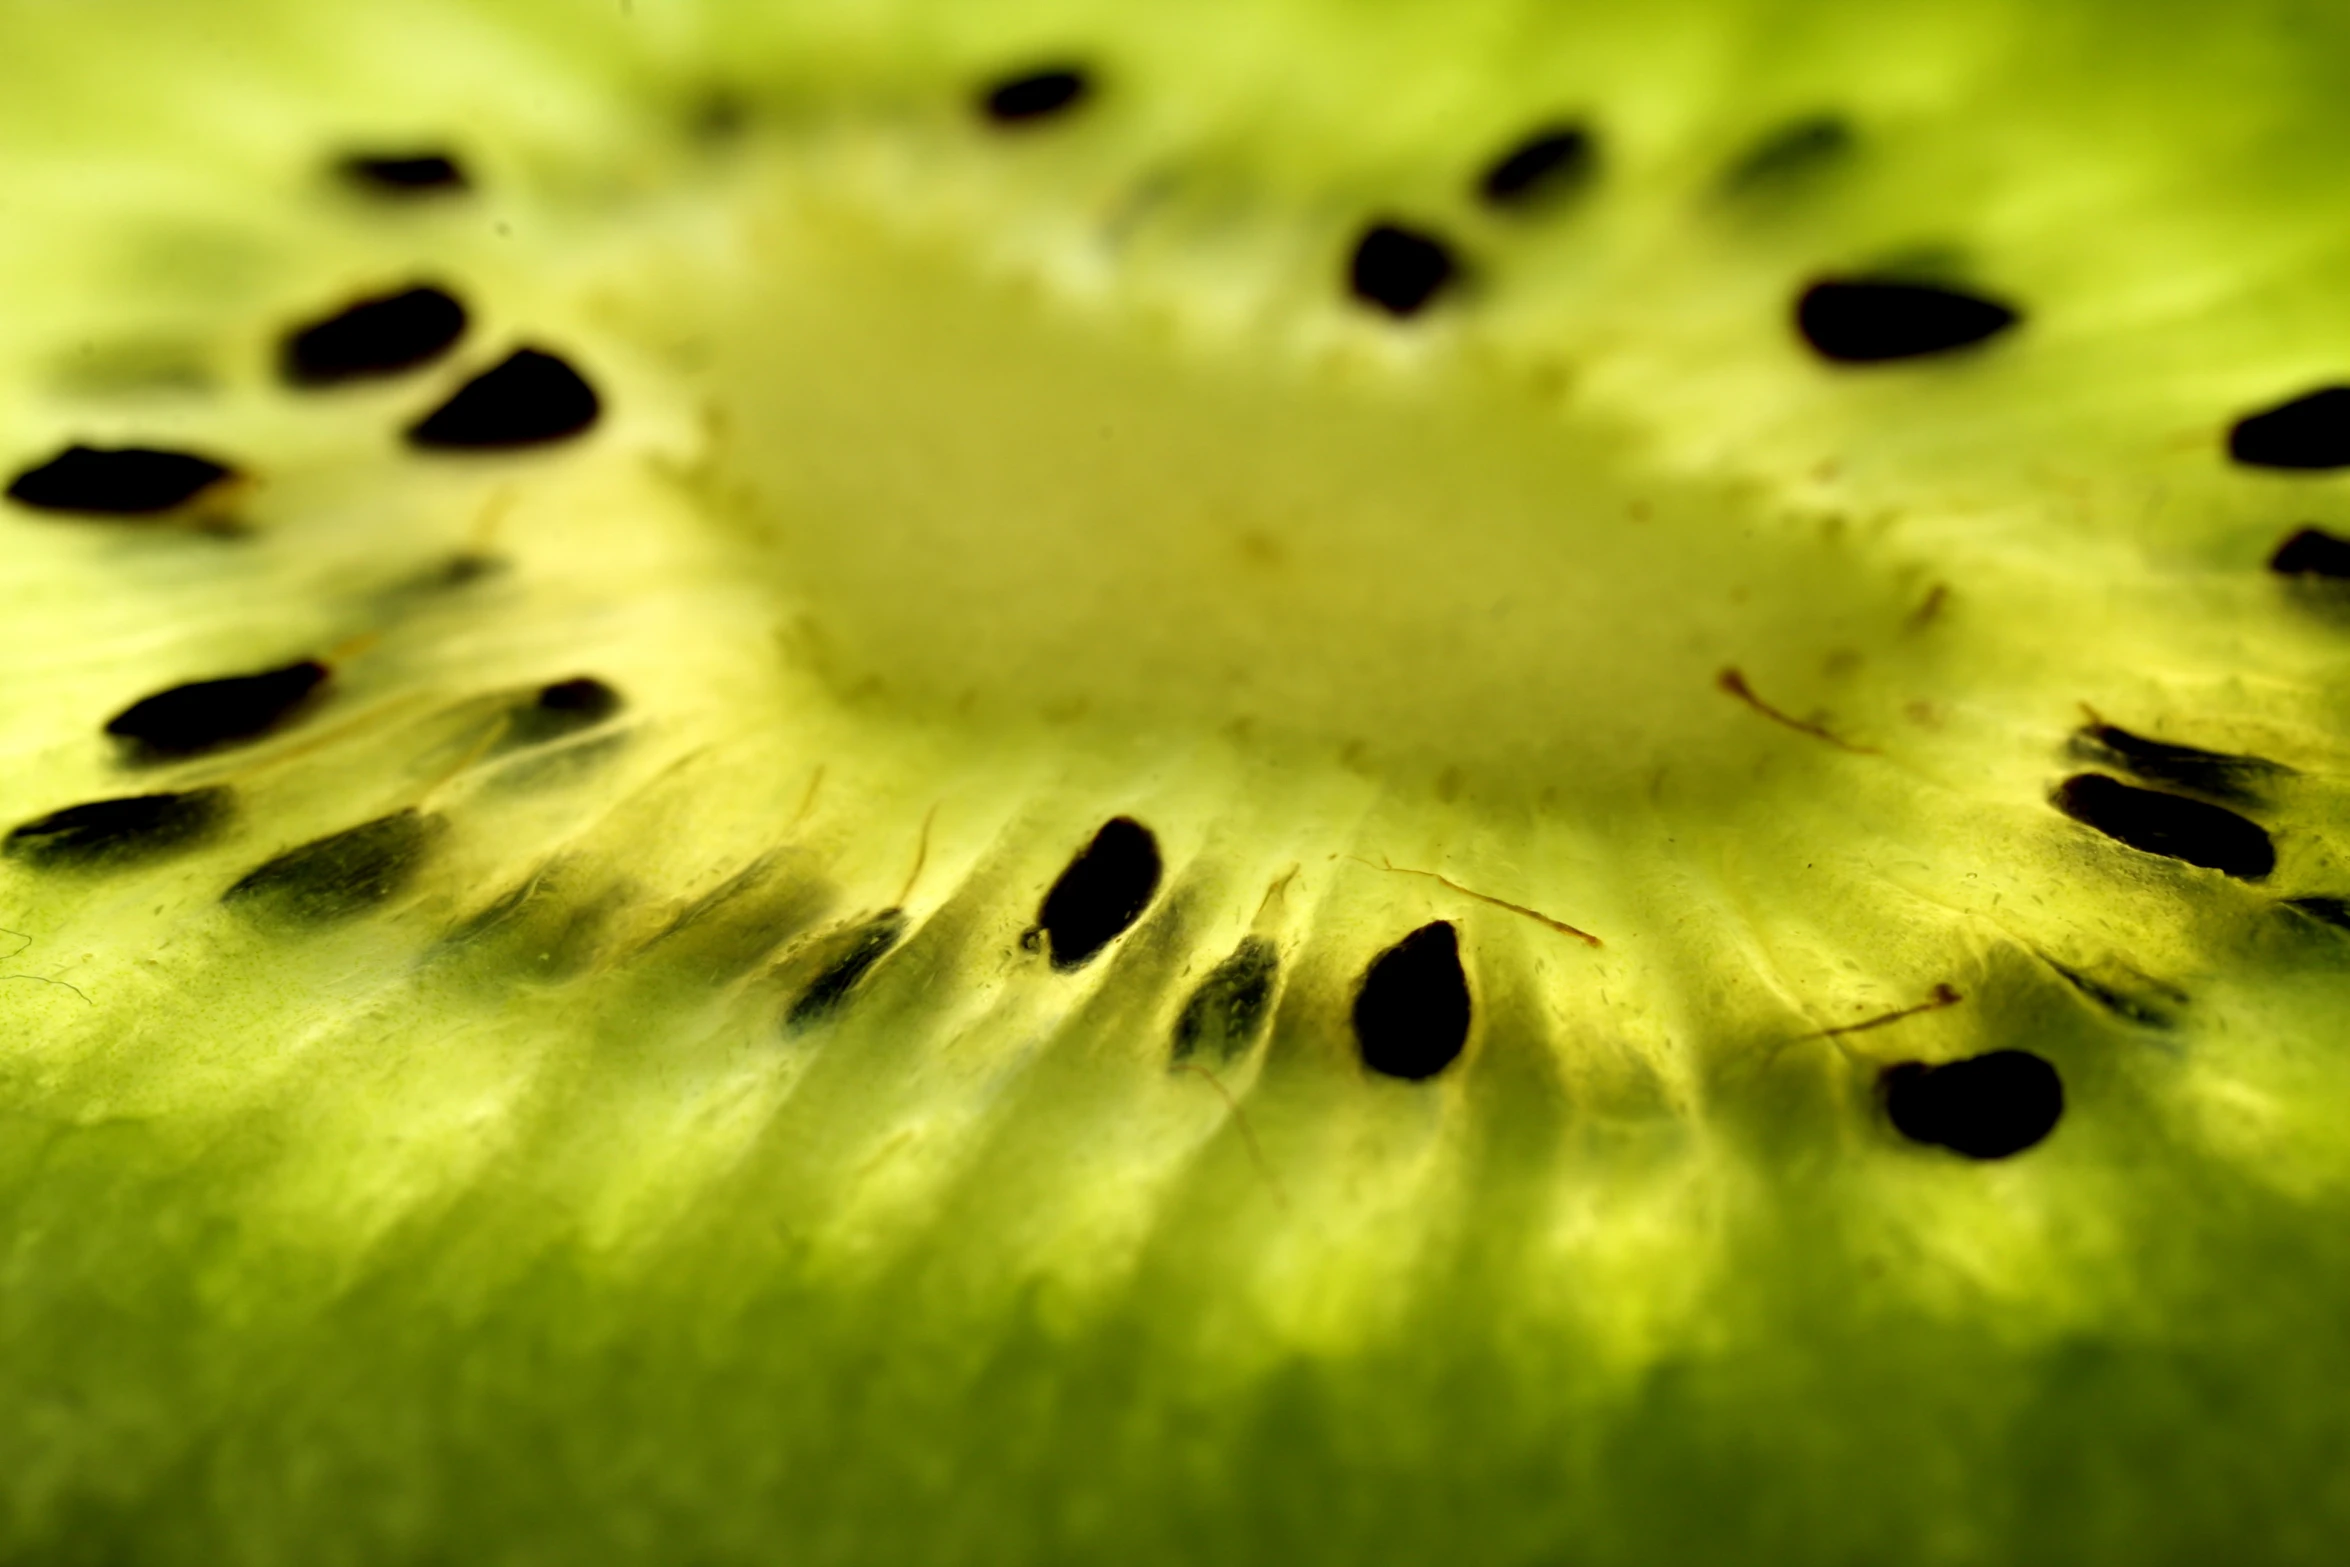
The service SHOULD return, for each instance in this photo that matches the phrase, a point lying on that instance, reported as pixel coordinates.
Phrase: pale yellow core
(987, 501)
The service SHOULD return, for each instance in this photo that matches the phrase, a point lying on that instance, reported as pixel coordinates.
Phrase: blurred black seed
(720, 116)
(1789, 154)
(1104, 890)
(859, 949)
(2216, 773)
(1226, 1013)
(204, 715)
(2312, 552)
(461, 571)
(1399, 269)
(116, 481)
(1411, 1017)
(583, 697)
(531, 398)
(1035, 95)
(404, 174)
(340, 876)
(1986, 1106)
(2308, 432)
(111, 832)
(2326, 911)
(1867, 322)
(374, 336)
(564, 708)
(2170, 825)
(1548, 162)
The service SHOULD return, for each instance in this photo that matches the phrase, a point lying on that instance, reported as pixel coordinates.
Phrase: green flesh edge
(960, 489)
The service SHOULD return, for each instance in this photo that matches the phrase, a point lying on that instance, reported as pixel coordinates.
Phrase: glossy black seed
(340, 876)
(113, 832)
(1549, 162)
(531, 398)
(2309, 432)
(564, 708)
(404, 174)
(1411, 1017)
(375, 336)
(2170, 825)
(1870, 322)
(1226, 1013)
(1035, 95)
(862, 947)
(204, 715)
(1793, 152)
(2312, 552)
(116, 481)
(1398, 269)
(2216, 773)
(1102, 893)
(1986, 1107)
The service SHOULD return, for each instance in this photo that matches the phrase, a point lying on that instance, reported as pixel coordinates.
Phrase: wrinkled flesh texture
(959, 490)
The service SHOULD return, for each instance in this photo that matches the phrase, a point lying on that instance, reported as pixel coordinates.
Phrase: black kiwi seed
(1986, 1106)
(404, 174)
(859, 949)
(1546, 162)
(560, 709)
(2170, 825)
(1035, 95)
(2216, 773)
(1225, 1014)
(114, 832)
(1411, 1016)
(1399, 269)
(205, 715)
(374, 336)
(530, 398)
(1862, 321)
(1789, 154)
(1102, 893)
(2308, 432)
(339, 876)
(2312, 552)
(116, 481)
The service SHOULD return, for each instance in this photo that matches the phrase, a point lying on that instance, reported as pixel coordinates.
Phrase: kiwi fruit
(1265, 782)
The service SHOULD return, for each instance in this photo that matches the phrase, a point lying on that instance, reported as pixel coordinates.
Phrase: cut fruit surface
(1509, 783)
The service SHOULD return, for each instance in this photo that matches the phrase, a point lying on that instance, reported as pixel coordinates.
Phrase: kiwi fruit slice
(1280, 782)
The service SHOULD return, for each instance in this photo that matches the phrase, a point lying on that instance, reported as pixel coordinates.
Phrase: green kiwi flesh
(1519, 783)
